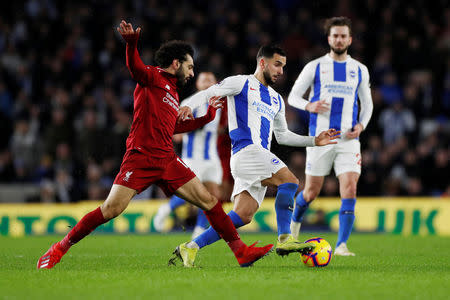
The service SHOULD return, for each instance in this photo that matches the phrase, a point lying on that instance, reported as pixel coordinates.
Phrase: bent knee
(349, 191)
(245, 215)
(111, 211)
(290, 178)
(293, 179)
(310, 194)
(246, 218)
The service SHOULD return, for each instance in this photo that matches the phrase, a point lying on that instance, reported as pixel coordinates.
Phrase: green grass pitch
(135, 267)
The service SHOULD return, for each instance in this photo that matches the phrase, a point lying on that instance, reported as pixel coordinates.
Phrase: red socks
(223, 225)
(220, 221)
(85, 226)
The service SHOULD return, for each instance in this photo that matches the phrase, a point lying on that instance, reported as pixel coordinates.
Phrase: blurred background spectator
(66, 98)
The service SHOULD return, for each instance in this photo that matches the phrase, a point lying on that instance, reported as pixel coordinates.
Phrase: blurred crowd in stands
(66, 97)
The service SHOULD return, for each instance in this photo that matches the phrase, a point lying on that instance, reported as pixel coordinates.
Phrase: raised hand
(318, 107)
(128, 33)
(327, 137)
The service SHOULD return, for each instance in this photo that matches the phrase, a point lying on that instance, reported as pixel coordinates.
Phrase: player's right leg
(118, 199)
(313, 185)
(287, 185)
(195, 192)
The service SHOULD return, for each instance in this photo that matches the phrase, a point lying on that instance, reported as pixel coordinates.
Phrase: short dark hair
(337, 21)
(173, 50)
(269, 51)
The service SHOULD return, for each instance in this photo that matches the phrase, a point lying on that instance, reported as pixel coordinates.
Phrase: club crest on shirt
(127, 176)
(275, 161)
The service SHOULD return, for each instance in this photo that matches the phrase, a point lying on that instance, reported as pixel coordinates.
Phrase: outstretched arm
(138, 70)
(286, 137)
(192, 124)
(228, 87)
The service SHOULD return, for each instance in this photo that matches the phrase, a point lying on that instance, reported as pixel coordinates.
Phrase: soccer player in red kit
(150, 157)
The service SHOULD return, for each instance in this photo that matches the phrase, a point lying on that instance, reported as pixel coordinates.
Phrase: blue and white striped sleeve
(286, 137)
(365, 97)
(301, 85)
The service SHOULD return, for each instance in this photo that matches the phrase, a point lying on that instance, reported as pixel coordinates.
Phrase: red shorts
(138, 171)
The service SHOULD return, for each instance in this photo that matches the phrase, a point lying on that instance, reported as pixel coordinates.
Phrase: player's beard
(267, 77)
(181, 78)
(339, 51)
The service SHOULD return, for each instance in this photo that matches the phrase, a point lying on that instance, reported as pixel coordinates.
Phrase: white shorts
(249, 167)
(206, 170)
(345, 156)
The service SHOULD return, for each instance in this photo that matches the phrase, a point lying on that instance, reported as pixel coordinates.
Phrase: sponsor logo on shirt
(339, 89)
(275, 161)
(264, 109)
(352, 73)
(275, 100)
(167, 87)
(169, 99)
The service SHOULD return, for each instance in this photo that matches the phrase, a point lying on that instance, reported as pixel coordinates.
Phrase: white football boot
(342, 250)
(161, 216)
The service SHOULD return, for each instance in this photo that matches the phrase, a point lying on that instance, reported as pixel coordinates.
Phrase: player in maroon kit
(150, 157)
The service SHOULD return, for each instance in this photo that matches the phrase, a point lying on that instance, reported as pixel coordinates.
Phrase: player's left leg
(287, 185)
(347, 166)
(347, 184)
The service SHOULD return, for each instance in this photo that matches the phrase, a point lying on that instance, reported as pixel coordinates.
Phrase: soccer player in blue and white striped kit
(336, 82)
(255, 111)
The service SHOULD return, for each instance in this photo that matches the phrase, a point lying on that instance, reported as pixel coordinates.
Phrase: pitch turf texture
(135, 267)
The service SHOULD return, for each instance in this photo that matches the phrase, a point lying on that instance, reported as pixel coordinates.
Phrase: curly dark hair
(173, 50)
(337, 21)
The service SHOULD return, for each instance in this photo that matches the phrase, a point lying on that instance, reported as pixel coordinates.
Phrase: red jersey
(156, 106)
